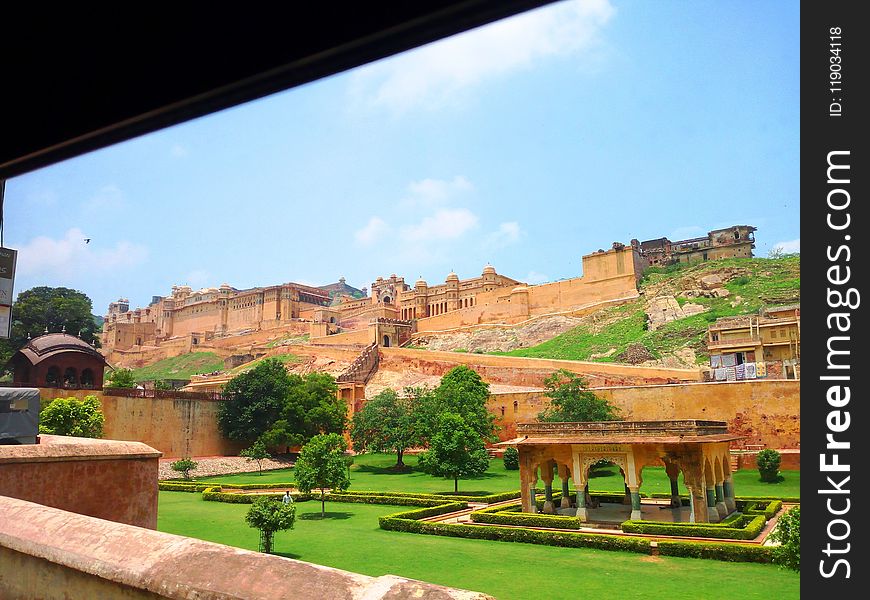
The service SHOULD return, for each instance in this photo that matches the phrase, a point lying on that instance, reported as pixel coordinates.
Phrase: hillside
(689, 296)
(180, 367)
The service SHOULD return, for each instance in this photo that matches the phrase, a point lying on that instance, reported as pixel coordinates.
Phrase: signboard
(7, 283)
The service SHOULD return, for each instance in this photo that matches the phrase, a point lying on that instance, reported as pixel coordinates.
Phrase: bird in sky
(87, 240)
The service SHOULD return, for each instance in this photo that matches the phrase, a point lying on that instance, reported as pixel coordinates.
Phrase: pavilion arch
(52, 376)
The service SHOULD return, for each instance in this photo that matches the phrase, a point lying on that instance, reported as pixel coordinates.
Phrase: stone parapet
(52, 554)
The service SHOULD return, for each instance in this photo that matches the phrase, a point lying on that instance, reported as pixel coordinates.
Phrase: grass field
(373, 472)
(349, 538)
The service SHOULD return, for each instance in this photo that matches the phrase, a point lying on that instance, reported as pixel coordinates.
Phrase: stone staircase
(363, 367)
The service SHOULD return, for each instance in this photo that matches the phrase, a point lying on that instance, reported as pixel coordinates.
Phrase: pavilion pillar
(712, 513)
(721, 508)
(673, 471)
(528, 480)
(728, 492)
(634, 492)
(581, 501)
(564, 474)
(698, 504)
(547, 476)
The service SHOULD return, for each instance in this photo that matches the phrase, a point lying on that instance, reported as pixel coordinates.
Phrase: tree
(455, 450)
(321, 466)
(184, 466)
(462, 392)
(73, 417)
(257, 451)
(788, 534)
(386, 423)
(511, 458)
(162, 384)
(768, 461)
(572, 401)
(254, 402)
(311, 407)
(269, 516)
(121, 378)
(53, 309)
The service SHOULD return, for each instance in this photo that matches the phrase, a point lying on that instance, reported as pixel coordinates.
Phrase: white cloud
(535, 278)
(433, 192)
(108, 198)
(507, 234)
(436, 74)
(179, 151)
(445, 224)
(788, 247)
(45, 257)
(374, 230)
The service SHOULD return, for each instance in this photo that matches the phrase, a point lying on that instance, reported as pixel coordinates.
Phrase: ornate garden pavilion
(698, 449)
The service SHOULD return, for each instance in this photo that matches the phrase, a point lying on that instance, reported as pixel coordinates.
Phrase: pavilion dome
(489, 270)
(452, 276)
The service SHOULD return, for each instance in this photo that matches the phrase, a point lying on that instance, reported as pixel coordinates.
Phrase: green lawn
(349, 538)
(372, 472)
(180, 367)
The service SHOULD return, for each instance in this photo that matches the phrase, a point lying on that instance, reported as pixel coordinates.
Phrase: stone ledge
(176, 567)
(59, 448)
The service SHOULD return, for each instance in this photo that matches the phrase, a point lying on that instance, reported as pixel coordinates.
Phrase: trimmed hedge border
(714, 551)
(749, 528)
(171, 486)
(768, 509)
(566, 539)
(527, 520)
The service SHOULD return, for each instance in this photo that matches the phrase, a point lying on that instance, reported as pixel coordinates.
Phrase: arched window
(87, 379)
(386, 341)
(52, 378)
(70, 377)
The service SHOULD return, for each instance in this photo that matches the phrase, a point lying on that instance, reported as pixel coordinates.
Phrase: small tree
(511, 458)
(184, 466)
(121, 378)
(572, 401)
(269, 515)
(321, 466)
(257, 451)
(768, 462)
(74, 417)
(162, 384)
(385, 423)
(456, 450)
(788, 534)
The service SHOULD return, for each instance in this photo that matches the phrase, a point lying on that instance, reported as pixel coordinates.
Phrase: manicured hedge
(748, 528)
(712, 550)
(529, 536)
(173, 486)
(214, 494)
(487, 499)
(768, 509)
(382, 499)
(526, 520)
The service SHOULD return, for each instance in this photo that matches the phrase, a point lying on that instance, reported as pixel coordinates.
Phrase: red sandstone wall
(766, 412)
(511, 370)
(99, 478)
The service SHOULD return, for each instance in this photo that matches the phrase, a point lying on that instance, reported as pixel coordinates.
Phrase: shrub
(768, 462)
(712, 550)
(788, 534)
(511, 458)
(184, 466)
(746, 528)
(74, 417)
(526, 519)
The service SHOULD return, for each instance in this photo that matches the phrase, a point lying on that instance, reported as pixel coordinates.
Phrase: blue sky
(526, 144)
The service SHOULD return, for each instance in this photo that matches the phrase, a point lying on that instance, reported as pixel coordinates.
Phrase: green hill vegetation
(282, 358)
(180, 367)
(753, 283)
